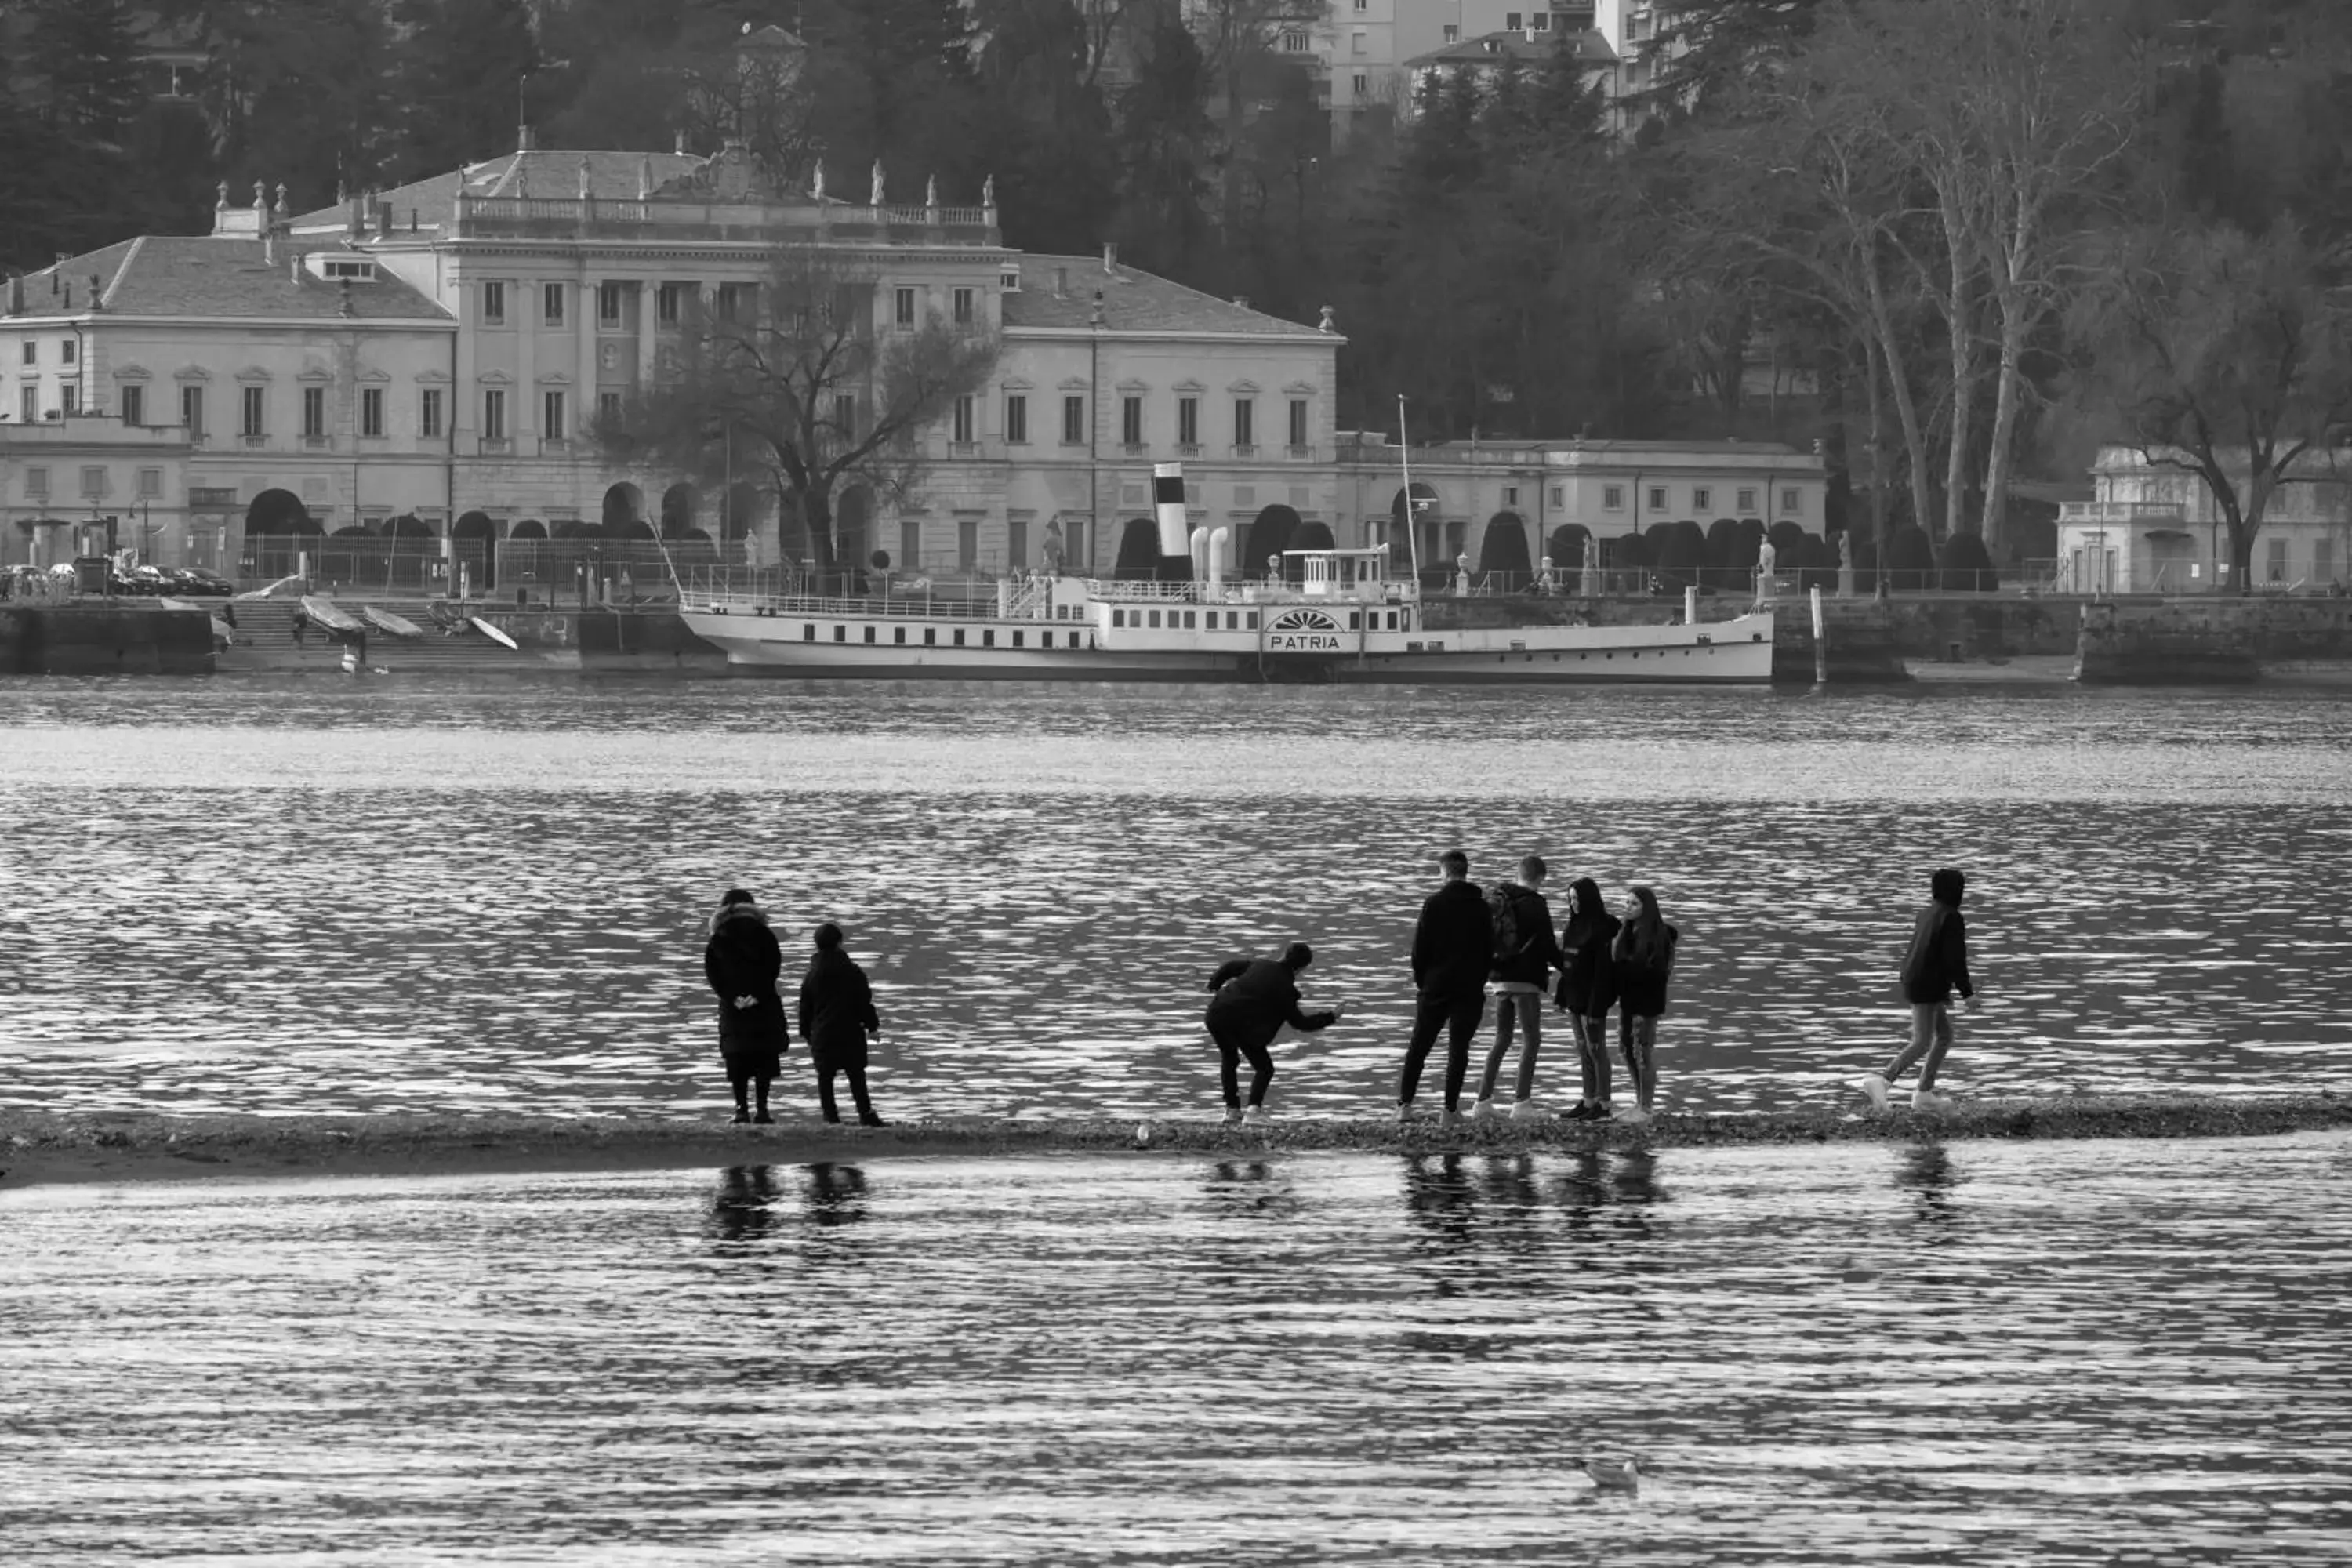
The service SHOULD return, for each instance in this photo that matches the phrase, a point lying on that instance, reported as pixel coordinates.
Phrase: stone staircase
(265, 639)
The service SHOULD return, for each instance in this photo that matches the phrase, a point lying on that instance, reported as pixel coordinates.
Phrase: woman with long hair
(1588, 987)
(1642, 957)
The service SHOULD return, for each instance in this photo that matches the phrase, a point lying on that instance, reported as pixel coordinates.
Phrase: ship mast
(1411, 507)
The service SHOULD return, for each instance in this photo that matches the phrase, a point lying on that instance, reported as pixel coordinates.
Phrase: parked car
(201, 582)
(152, 581)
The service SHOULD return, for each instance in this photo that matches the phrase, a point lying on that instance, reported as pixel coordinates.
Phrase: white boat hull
(846, 646)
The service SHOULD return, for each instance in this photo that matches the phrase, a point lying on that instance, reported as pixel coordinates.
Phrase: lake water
(2032, 1354)
(305, 894)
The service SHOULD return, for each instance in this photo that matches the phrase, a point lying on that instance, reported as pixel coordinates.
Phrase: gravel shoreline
(47, 1147)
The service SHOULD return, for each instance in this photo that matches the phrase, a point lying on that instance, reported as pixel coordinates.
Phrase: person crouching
(742, 963)
(1253, 999)
(837, 1015)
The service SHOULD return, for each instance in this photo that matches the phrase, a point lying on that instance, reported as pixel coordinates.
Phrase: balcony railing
(2120, 512)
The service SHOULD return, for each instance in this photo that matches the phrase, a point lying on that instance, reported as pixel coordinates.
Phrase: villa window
(552, 303)
(1188, 421)
(1016, 419)
(253, 402)
(134, 404)
(1130, 421)
(1074, 421)
(428, 412)
(372, 411)
(962, 300)
(494, 303)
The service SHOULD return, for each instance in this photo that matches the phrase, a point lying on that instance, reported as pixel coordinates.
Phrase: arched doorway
(1503, 552)
(474, 545)
(623, 504)
(1570, 544)
(677, 511)
(1138, 551)
(530, 528)
(1272, 531)
(1419, 529)
(275, 524)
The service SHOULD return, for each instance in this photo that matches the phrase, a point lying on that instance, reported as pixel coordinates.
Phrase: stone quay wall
(104, 639)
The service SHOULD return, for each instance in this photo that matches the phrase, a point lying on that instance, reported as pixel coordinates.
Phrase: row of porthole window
(931, 636)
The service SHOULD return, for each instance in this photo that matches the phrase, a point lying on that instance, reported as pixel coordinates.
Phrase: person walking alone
(837, 1015)
(1525, 955)
(742, 963)
(1935, 966)
(1453, 949)
(1588, 989)
(1643, 960)
(1254, 998)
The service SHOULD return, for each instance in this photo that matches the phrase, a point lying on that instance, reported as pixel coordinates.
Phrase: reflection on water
(302, 896)
(2031, 1352)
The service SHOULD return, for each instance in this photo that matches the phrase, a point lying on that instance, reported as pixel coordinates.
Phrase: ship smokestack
(1168, 508)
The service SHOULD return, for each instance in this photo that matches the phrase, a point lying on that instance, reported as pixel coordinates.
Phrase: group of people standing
(1470, 943)
(1466, 943)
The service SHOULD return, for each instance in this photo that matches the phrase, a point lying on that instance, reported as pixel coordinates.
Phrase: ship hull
(1737, 652)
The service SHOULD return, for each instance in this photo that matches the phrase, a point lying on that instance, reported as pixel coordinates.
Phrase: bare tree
(795, 379)
(2224, 355)
(2014, 110)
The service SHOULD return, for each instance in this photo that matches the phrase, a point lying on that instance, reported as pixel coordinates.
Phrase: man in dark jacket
(837, 1015)
(1254, 998)
(1520, 920)
(1453, 948)
(1936, 966)
(742, 963)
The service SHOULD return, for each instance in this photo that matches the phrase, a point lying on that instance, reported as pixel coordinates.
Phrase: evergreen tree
(461, 65)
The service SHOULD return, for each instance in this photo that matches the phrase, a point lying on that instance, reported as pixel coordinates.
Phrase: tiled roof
(207, 277)
(1592, 47)
(1133, 301)
(611, 176)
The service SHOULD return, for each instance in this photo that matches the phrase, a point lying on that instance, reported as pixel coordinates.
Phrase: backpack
(1502, 914)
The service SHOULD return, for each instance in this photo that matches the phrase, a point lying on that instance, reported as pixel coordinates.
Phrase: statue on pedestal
(1846, 566)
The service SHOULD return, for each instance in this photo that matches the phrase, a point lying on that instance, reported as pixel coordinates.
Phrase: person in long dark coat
(1253, 999)
(837, 1015)
(1453, 949)
(1588, 989)
(1643, 960)
(744, 965)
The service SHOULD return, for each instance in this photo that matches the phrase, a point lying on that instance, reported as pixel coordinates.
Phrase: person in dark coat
(1588, 989)
(1642, 960)
(1253, 999)
(1521, 977)
(1453, 948)
(837, 1015)
(742, 963)
(1935, 966)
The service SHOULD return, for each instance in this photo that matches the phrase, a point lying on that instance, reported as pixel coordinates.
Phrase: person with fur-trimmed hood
(837, 1015)
(743, 964)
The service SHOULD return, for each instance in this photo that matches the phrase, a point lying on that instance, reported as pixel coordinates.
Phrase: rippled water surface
(309, 895)
(2003, 1353)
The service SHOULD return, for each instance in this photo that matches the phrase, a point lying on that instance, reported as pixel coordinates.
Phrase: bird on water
(1612, 1475)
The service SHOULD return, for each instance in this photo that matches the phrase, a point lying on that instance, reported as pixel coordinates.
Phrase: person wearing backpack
(1253, 999)
(1588, 989)
(1525, 955)
(1642, 957)
(1453, 949)
(837, 1015)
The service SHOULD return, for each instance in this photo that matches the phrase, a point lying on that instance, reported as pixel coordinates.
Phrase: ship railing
(868, 606)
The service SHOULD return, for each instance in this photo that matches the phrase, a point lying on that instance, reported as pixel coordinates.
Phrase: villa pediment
(133, 373)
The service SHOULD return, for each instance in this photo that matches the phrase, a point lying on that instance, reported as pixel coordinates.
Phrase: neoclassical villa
(439, 352)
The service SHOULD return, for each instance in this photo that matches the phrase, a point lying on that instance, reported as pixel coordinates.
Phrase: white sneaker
(1874, 1088)
(1633, 1116)
(1405, 1112)
(1233, 1115)
(1483, 1112)
(1451, 1118)
(1928, 1101)
(1527, 1110)
(1257, 1113)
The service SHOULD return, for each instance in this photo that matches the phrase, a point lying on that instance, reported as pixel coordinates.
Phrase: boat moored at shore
(1329, 614)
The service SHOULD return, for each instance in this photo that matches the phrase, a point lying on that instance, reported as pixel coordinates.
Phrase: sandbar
(46, 1146)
